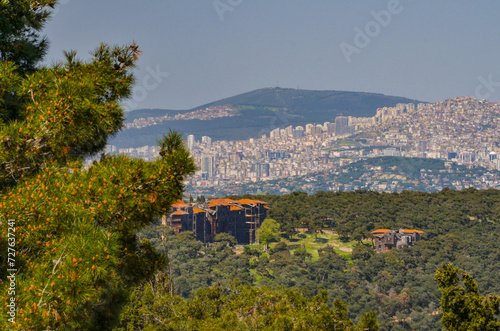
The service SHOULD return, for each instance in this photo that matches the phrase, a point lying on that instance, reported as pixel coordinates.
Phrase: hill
(314, 106)
(258, 112)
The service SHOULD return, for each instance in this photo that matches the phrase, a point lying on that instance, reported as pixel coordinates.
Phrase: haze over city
(198, 52)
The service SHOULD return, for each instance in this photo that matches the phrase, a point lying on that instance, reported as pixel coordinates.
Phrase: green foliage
(362, 252)
(368, 322)
(21, 23)
(279, 247)
(235, 308)
(269, 230)
(225, 238)
(463, 308)
(66, 112)
(459, 227)
(77, 252)
(193, 265)
(75, 231)
(302, 254)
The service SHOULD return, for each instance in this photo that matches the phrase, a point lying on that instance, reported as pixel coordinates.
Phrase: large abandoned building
(239, 218)
(386, 239)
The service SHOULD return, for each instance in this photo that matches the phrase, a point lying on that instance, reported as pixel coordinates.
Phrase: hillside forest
(460, 227)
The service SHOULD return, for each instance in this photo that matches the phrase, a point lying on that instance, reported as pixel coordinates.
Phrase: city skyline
(458, 132)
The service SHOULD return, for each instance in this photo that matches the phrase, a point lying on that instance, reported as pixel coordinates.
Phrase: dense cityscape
(461, 131)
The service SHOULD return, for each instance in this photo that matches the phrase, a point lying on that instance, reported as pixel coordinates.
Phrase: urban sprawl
(461, 130)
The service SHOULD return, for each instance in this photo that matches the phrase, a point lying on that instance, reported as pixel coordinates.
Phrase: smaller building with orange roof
(386, 239)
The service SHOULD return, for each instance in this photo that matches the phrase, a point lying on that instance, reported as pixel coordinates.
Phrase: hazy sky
(423, 49)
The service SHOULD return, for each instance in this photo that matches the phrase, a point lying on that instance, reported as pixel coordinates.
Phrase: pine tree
(463, 308)
(235, 308)
(21, 45)
(77, 256)
(20, 26)
(368, 322)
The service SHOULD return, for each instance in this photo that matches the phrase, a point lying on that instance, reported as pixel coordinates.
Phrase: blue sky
(211, 49)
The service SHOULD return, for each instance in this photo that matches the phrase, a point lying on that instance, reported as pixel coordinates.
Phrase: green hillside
(314, 105)
(259, 112)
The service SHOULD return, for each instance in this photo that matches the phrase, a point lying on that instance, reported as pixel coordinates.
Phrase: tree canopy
(75, 228)
(463, 308)
(268, 231)
(20, 40)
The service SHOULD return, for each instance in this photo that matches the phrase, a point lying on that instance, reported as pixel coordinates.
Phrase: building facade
(239, 218)
(341, 125)
(386, 239)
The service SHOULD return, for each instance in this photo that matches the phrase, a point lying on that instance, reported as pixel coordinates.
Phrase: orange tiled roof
(179, 204)
(235, 208)
(223, 202)
(198, 210)
(381, 231)
(249, 201)
(179, 212)
(413, 230)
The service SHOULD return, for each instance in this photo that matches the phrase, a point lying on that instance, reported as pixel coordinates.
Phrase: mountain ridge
(259, 112)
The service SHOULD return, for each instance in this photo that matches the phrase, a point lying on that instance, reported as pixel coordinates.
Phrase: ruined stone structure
(386, 239)
(239, 218)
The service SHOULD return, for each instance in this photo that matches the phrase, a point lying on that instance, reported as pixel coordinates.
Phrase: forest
(460, 227)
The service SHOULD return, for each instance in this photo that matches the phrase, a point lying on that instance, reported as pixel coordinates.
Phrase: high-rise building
(341, 125)
(298, 132)
(190, 142)
(400, 107)
(391, 152)
(206, 140)
(275, 133)
(329, 127)
(319, 129)
(423, 145)
(261, 169)
(467, 156)
(207, 166)
(309, 129)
